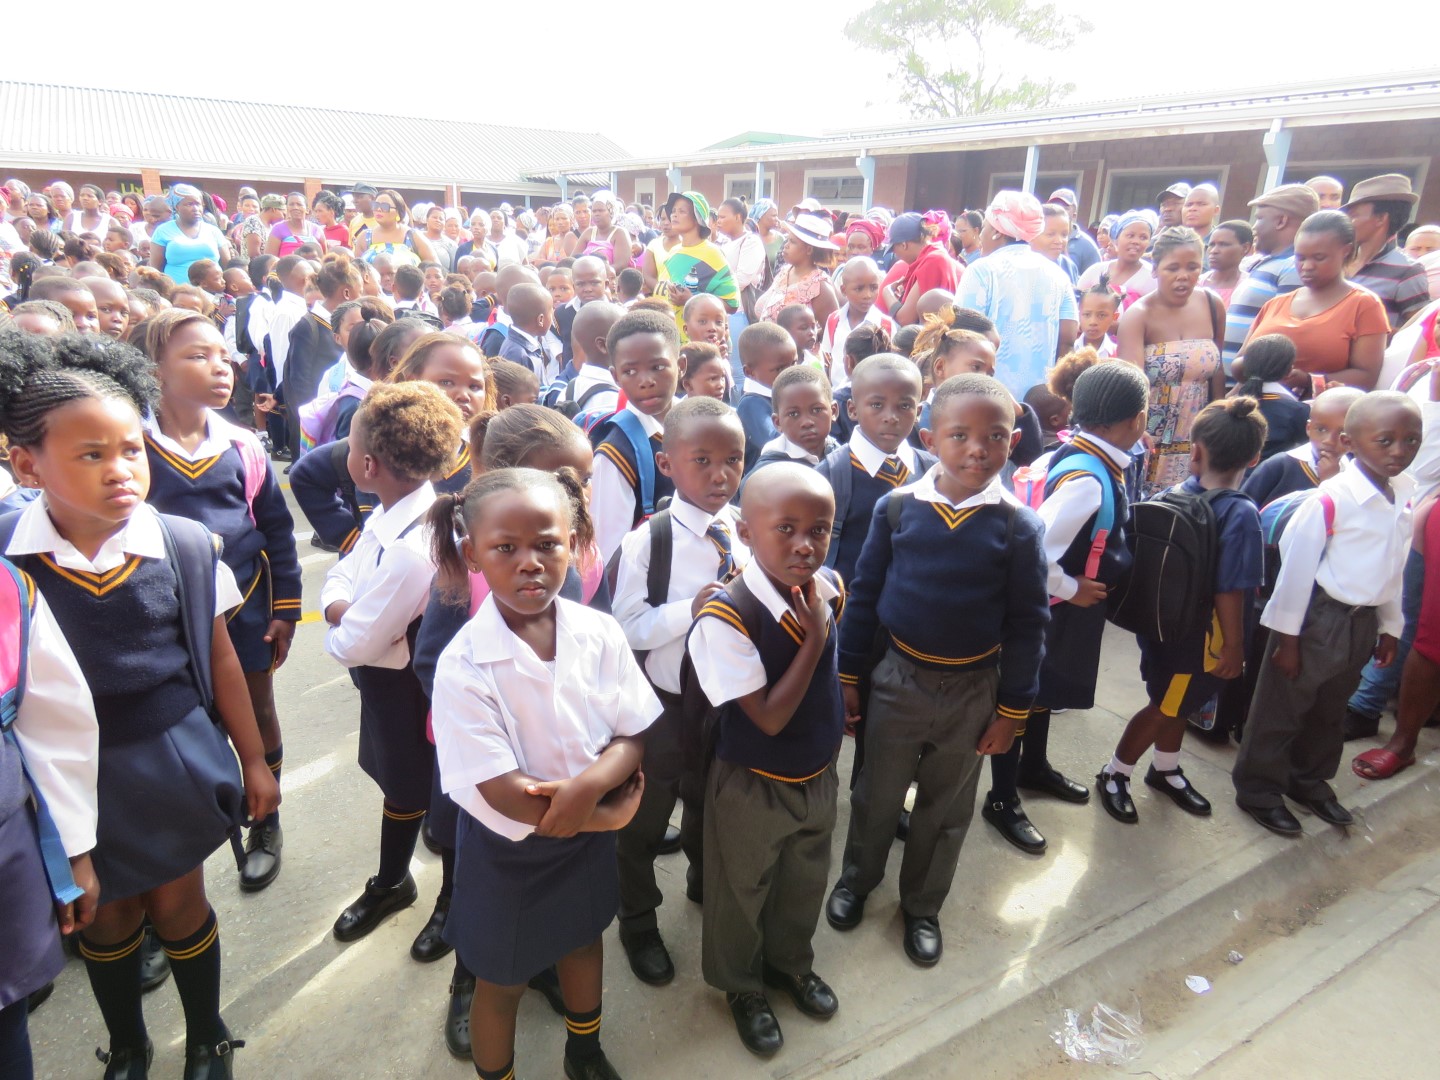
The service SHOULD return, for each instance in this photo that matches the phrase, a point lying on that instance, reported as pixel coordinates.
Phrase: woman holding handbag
(745, 252)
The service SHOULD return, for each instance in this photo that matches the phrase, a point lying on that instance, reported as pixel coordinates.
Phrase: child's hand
(572, 802)
(703, 597)
(811, 612)
(1089, 592)
(851, 694)
(336, 611)
(1230, 663)
(262, 790)
(998, 737)
(617, 808)
(80, 914)
(679, 294)
(1384, 651)
(265, 402)
(280, 633)
(1327, 464)
(1286, 656)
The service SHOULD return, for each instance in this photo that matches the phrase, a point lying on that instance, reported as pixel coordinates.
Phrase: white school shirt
(872, 457)
(35, 534)
(1065, 513)
(694, 563)
(594, 375)
(750, 386)
(386, 578)
(216, 441)
(794, 451)
(58, 733)
(728, 663)
(1426, 466)
(992, 494)
(498, 707)
(833, 345)
(612, 499)
(289, 310)
(1360, 564)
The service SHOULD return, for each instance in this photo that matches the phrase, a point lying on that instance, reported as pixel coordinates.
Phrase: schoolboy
(588, 277)
(509, 276)
(592, 386)
(112, 305)
(799, 322)
(644, 351)
(1319, 459)
(878, 458)
(1053, 411)
(765, 350)
(560, 285)
(628, 285)
(72, 295)
(704, 454)
(1181, 675)
(531, 313)
(764, 652)
(956, 353)
(1336, 602)
(860, 288)
(951, 687)
(410, 289)
(804, 410)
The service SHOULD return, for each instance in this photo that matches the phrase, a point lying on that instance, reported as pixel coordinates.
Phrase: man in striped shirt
(1278, 214)
(1378, 207)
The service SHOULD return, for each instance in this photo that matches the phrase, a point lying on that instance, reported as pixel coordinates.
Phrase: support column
(564, 182)
(1276, 144)
(614, 183)
(672, 177)
(1032, 169)
(759, 182)
(866, 164)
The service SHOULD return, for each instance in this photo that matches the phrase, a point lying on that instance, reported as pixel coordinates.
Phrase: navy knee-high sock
(15, 1058)
(114, 972)
(275, 758)
(195, 962)
(399, 829)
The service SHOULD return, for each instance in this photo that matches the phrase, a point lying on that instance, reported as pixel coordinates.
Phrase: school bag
(628, 424)
(320, 416)
(572, 407)
(17, 604)
(1029, 483)
(1275, 518)
(1169, 592)
(700, 720)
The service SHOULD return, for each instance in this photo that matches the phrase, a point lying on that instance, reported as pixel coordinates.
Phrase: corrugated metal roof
(46, 125)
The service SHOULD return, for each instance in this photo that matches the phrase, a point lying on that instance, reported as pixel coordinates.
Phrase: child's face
(770, 360)
(1385, 440)
(190, 302)
(386, 270)
(861, 286)
(458, 370)
(707, 378)
(115, 241)
(789, 534)
(972, 436)
(588, 276)
(645, 369)
(434, 281)
(214, 280)
(1324, 428)
(81, 303)
(562, 289)
(971, 357)
(112, 307)
(237, 283)
(706, 462)
(521, 541)
(91, 464)
(575, 454)
(1097, 315)
(1057, 417)
(803, 331)
(348, 323)
(884, 404)
(707, 322)
(194, 368)
(803, 414)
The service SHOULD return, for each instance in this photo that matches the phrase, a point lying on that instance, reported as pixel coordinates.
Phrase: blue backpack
(628, 424)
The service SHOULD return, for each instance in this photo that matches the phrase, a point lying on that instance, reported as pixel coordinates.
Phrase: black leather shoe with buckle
(590, 1068)
(372, 906)
(1118, 804)
(127, 1062)
(1010, 821)
(457, 1017)
(1187, 798)
(212, 1062)
(429, 945)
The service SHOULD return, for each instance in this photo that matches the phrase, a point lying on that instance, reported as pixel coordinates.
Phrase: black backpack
(1170, 589)
(570, 406)
(700, 720)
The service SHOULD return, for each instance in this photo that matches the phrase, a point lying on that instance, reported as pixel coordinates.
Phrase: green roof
(757, 138)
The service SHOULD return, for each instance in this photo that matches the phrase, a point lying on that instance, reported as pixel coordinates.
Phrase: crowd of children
(602, 562)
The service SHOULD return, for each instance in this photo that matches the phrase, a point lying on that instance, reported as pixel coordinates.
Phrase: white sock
(1116, 768)
(1165, 762)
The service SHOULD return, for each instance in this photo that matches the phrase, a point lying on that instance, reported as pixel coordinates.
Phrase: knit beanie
(1108, 393)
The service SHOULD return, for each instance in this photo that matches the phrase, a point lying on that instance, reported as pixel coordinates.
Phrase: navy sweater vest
(865, 492)
(1277, 476)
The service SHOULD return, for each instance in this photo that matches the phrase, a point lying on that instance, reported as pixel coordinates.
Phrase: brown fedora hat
(1391, 187)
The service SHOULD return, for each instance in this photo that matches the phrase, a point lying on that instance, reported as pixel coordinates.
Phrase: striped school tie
(719, 535)
(893, 472)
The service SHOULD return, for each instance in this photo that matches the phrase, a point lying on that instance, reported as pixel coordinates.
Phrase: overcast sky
(767, 73)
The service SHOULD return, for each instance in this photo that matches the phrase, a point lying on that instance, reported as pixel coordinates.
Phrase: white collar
(761, 587)
(925, 490)
(35, 534)
(320, 311)
(696, 520)
(1305, 452)
(648, 423)
(1118, 456)
(1277, 388)
(216, 441)
(872, 457)
(524, 335)
(791, 450)
(753, 387)
(1362, 490)
(388, 523)
(590, 374)
(491, 641)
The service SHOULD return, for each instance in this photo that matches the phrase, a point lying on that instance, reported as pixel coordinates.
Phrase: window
(1350, 173)
(645, 191)
(1045, 183)
(834, 189)
(742, 186)
(1137, 188)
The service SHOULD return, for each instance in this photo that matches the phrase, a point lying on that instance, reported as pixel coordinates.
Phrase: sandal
(1379, 764)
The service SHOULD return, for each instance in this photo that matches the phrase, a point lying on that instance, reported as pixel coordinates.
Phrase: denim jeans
(1379, 685)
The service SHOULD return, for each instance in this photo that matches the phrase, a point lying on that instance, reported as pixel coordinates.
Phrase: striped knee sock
(507, 1073)
(195, 962)
(399, 829)
(275, 758)
(582, 1034)
(114, 972)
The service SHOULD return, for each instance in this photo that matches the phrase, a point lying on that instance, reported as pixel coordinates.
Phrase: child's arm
(647, 627)
(572, 805)
(612, 505)
(373, 622)
(316, 488)
(338, 590)
(232, 701)
(862, 617)
(273, 519)
(1074, 501)
(442, 621)
(1230, 611)
(1302, 546)
(1022, 634)
(770, 708)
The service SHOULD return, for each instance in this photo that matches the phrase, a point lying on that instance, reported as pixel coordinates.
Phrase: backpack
(1029, 483)
(572, 407)
(252, 458)
(320, 416)
(700, 720)
(1275, 518)
(657, 575)
(1169, 592)
(628, 424)
(17, 605)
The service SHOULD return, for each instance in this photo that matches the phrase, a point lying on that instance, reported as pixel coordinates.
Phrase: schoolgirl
(160, 666)
(538, 705)
(460, 370)
(373, 599)
(205, 468)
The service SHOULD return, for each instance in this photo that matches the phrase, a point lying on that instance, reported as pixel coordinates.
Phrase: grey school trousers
(1294, 735)
(922, 726)
(767, 865)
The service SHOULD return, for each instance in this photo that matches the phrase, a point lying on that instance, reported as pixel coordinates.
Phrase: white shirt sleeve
(470, 734)
(645, 627)
(1302, 546)
(637, 707)
(1064, 514)
(339, 580)
(727, 663)
(227, 592)
(58, 733)
(612, 506)
(372, 631)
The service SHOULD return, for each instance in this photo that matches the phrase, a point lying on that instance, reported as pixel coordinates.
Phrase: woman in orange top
(1339, 328)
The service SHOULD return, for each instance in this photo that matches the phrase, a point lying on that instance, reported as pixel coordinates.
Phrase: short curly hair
(412, 427)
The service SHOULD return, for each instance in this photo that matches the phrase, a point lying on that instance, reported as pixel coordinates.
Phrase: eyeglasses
(384, 206)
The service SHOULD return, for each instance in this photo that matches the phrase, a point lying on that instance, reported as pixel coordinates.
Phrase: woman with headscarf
(1026, 296)
(605, 238)
(804, 279)
(863, 237)
(186, 238)
(918, 244)
(1127, 275)
(764, 219)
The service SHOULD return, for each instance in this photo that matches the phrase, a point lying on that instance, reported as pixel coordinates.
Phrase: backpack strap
(1105, 516)
(252, 457)
(193, 552)
(748, 606)
(894, 508)
(662, 547)
(837, 464)
(1327, 508)
(629, 425)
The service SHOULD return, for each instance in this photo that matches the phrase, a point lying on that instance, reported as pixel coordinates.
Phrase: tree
(942, 51)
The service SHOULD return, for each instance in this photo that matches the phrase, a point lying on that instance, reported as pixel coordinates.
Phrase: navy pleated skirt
(444, 814)
(30, 953)
(394, 751)
(249, 623)
(166, 803)
(519, 906)
(1072, 657)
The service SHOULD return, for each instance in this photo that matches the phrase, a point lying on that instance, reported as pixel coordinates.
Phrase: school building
(1115, 155)
(126, 141)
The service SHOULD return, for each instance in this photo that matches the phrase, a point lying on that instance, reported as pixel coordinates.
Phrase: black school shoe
(844, 909)
(457, 1018)
(212, 1062)
(39, 997)
(649, 959)
(1010, 821)
(923, 942)
(1119, 805)
(1056, 784)
(1187, 798)
(154, 964)
(755, 1022)
(547, 984)
(372, 906)
(1359, 726)
(127, 1063)
(263, 848)
(670, 843)
(429, 945)
(812, 994)
(597, 1067)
